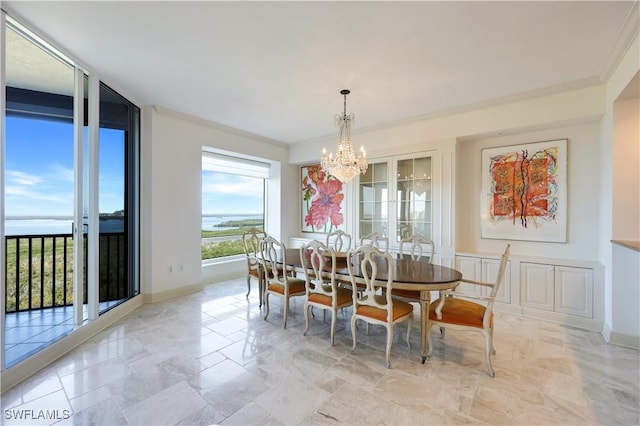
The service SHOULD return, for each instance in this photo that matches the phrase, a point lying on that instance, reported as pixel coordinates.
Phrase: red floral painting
(322, 201)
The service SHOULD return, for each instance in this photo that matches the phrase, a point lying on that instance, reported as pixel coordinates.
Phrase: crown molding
(626, 36)
(217, 126)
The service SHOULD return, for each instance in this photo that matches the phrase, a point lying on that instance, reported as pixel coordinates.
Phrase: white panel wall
(583, 195)
(171, 234)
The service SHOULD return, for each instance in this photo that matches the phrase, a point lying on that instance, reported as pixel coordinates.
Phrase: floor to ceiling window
(45, 164)
(233, 200)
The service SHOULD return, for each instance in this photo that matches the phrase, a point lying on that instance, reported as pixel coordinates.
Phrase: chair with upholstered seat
(375, 239)
(413, 248)
(339, 240)
(455, 310)
(319, 263)
(251, 241)
(278, 280)
(370, 303)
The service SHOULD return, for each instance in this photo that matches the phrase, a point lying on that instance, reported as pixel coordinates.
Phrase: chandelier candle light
(344, 166)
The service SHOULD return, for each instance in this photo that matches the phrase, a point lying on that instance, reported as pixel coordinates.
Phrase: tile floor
(210, 358)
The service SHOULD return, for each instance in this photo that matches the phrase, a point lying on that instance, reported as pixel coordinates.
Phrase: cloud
(218, 183)
(15, 177)
(63, 173)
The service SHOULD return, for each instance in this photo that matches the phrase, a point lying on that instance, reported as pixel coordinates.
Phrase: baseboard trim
(36, 362)
(172, 293)
(625, 340)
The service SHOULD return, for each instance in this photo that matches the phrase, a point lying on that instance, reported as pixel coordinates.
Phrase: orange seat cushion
(296, 285)
(460, 312)
(343, 297)
(400, 309)
(256, 273)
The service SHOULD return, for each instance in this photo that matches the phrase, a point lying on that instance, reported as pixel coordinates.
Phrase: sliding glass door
(70, 190)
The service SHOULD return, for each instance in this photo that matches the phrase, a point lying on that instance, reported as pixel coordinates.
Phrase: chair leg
(493, 349)
(429, 341)
(306, 318)
(333, 325)
(487, 353)
(286, 310)
(353, 332)
(248, 285)
(389, 342)
(266, 302)
(409, 326)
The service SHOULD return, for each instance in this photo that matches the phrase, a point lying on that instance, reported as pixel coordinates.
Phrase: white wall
(622, 292)
(626, 173)
(171, 225)
(583, 166)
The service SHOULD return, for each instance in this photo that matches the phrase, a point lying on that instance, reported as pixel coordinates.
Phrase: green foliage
(221, 249)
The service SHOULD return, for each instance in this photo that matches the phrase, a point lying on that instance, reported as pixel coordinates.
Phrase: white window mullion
(78, 246)
(93, 277)
(3, 295)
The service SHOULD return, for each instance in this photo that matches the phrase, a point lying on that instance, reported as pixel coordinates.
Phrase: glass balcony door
(43, 285)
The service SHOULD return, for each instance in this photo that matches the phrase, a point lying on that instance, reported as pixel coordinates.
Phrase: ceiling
(275, 69)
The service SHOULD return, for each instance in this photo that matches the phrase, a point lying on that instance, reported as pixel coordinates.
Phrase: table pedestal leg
(425, 299)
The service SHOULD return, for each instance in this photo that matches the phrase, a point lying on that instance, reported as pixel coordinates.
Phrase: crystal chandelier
(344, 166)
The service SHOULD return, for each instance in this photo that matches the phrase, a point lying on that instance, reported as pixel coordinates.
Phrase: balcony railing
(39, 270)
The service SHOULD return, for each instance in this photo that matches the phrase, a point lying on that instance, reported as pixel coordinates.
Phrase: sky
(39, 174)
(39, 168)
(226, 193)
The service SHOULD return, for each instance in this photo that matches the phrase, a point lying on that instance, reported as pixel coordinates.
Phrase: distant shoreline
(112, 217)
(38, 217)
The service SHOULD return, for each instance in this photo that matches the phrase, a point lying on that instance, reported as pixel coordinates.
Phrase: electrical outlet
(170, 268)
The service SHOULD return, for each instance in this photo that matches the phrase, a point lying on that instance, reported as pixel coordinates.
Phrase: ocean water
(48, 226)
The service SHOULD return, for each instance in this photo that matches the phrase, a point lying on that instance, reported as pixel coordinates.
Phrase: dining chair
(277, 277)
(412, 248)
(339, 240)
(370, 303)
(323, 291)
(251, 240)
(374, 239)
(454, 309)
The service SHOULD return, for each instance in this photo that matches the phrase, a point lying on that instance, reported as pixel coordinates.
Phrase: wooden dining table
(407, 274)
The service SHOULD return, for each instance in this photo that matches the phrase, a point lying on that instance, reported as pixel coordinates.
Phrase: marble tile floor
(210, 358)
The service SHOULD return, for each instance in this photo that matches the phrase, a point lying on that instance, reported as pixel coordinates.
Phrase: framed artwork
(323, 201)
(524, 192)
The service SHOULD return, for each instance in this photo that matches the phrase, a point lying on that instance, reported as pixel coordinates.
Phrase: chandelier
(344, 166)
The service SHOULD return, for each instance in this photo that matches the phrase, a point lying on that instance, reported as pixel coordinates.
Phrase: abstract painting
(524, 192)
(322, 201)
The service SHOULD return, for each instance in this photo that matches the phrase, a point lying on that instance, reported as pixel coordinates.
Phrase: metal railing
(39, 270)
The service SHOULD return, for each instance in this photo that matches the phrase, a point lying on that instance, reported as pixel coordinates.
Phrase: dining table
(407, 274)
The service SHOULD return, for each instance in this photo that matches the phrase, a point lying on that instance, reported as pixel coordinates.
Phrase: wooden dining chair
(375, 239)
(277, 277)
(454, 310)
(339, 240)
(319, 263)
(370, 303)
(413, 248)
(251, 241)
